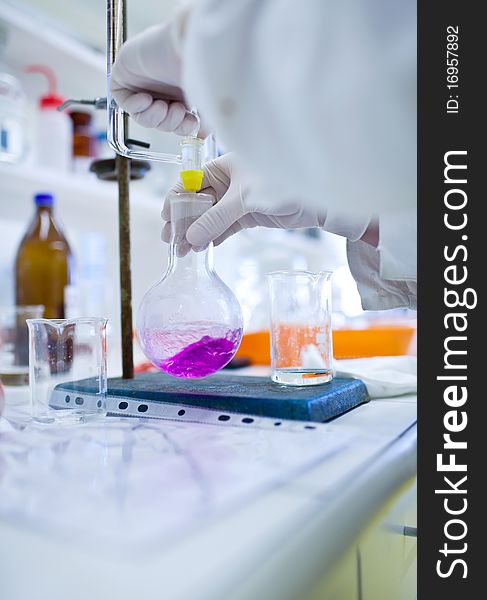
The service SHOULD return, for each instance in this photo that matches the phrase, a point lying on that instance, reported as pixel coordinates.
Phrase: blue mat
(248, 395)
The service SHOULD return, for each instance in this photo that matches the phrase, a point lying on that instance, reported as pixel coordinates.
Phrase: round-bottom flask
(190, 323)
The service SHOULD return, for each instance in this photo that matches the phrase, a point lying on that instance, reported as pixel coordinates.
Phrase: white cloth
(384, 376)
(321, 103)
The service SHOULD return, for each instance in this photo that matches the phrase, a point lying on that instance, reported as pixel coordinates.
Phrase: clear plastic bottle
(190, 323)
(12, 110)
(54, 140)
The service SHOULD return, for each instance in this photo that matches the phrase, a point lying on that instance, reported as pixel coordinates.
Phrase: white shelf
(81, 70)
(20, 182)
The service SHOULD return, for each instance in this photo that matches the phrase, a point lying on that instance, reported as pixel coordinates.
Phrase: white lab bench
(333, 530)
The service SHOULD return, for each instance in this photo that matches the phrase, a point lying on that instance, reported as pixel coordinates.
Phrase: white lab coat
(319, 98)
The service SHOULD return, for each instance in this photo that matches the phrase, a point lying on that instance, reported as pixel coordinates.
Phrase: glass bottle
(190, 323)
(83, 141)
(44, 262)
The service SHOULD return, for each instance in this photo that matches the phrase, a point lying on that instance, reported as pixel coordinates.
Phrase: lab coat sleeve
(398, 246)
(386, 275)
(317, 97)
(377, 290)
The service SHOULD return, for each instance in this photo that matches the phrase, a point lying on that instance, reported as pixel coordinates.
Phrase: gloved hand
(146, 79)
(237, 208)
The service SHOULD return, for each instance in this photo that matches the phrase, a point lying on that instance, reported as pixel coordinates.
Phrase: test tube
(192, 163)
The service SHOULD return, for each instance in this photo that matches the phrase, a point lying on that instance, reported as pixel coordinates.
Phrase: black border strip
(439, 132)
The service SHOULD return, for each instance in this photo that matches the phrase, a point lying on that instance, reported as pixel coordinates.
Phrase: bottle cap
(44, 199)
(50, 101)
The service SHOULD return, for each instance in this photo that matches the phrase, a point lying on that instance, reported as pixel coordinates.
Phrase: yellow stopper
(192, 179)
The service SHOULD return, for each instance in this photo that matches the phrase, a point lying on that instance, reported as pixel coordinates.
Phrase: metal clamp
(116, 134)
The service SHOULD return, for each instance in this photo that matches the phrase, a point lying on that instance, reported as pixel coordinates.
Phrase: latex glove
(146, 79)
(237, 207)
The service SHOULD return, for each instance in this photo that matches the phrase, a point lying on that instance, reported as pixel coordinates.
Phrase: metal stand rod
(116, 35)
(123, 175)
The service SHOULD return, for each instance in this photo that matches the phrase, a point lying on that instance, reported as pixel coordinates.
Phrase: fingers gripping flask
(190, 323)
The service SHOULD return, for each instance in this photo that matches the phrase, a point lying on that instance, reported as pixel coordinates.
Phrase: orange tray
(386, 340)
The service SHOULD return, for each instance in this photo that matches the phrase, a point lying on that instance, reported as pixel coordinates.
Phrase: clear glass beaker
(67, 369)
(300, 327)
(189, 324)
(14, 342)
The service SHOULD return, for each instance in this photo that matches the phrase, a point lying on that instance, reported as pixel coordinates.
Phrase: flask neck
(187, 261)
(185, 209)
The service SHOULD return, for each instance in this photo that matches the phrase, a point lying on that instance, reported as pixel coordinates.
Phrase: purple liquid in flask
(191, 351)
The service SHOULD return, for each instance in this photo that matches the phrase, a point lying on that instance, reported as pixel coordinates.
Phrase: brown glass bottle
(44, 262)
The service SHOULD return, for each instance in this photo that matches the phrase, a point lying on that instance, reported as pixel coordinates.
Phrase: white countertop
(151, 509)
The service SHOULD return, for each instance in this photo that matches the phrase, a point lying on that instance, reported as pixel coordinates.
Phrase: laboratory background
(53, 51)
(59, 48)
